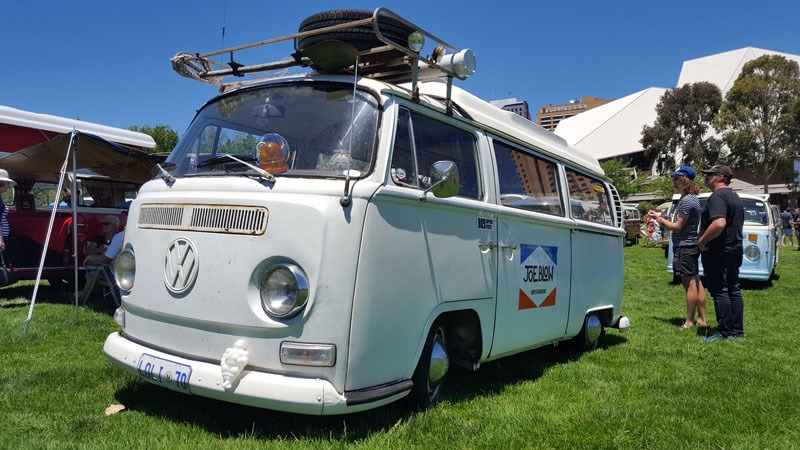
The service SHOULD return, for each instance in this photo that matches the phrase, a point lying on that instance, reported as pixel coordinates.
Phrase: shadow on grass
(234, 421)
(678, 321)
(22, 292)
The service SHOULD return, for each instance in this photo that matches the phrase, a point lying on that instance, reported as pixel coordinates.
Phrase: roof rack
(390, 61)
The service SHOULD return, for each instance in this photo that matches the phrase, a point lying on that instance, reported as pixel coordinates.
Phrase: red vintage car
(29, 220)
(106, 164)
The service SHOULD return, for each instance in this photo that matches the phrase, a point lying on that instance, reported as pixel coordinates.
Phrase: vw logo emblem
(180, 265)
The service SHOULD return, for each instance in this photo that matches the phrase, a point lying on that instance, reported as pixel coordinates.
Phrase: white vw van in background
(760, 237)
(330, 242)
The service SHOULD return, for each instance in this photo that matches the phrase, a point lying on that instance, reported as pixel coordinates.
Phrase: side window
(404, 168)
(527, 181)
(421, 141)
(589, 199)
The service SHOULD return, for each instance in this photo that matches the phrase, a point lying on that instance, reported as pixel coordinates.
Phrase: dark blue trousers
(721, 271)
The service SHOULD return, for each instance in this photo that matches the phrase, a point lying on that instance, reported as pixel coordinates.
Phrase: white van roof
(511, 124)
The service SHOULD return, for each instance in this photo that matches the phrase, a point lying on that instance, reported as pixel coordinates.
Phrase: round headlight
(752, 253)
(416, 41)
(125, 269)
(284, 290)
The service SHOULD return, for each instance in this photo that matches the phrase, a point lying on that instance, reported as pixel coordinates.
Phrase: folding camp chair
(100, 274)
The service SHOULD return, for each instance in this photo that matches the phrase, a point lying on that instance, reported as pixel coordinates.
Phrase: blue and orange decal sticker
(537, 276)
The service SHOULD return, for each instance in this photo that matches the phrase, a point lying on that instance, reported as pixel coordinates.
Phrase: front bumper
(259, 389)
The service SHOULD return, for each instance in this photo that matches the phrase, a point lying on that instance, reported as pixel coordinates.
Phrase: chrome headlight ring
(125, 269)
(752, 253)
(284, 290)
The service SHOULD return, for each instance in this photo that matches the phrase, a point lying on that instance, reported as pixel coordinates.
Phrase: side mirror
(444, 180)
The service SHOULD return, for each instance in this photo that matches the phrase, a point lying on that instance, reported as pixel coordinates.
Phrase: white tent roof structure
(21, 129)
(722, 69)
(614, 129)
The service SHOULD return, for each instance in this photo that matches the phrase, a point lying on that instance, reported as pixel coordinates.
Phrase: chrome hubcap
(593, 329)
(439, 363)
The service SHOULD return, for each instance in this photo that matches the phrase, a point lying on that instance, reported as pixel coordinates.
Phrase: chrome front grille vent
(205, 218)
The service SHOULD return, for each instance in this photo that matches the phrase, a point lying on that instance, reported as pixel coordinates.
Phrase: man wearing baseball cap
(720, 245)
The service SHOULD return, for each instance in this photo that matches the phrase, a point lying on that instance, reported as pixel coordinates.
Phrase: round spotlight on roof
(416, 41)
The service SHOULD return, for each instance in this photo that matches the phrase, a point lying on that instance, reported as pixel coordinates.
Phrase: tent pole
(74, 203)
(47, 238)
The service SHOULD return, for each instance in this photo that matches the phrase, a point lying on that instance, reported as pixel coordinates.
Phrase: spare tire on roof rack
(361, 37)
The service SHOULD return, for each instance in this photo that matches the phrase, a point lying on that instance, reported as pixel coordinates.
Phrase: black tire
(361, 37)
(591, 333)
(432, 369)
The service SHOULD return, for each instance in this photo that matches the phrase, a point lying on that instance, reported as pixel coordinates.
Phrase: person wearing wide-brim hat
(720, 245)
(5, 183)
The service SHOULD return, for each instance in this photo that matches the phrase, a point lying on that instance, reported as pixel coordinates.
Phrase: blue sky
(108, 62)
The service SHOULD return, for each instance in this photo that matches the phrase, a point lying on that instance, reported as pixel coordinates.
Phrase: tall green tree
(684, 117)
(760, 117)
(166, 138)
(620, 174)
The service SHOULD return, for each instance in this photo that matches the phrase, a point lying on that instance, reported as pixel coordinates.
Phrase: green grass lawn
(653, 387)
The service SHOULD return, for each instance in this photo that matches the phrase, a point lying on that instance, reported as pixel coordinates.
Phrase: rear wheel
(591, 334)
(434, 363)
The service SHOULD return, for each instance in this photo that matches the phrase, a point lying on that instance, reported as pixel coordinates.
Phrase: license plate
(164, 372)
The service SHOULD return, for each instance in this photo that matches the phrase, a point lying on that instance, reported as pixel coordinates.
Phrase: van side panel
(414, 256)
(595, 248)
(533, 295)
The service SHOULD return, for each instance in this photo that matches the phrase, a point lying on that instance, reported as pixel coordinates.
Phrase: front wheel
(434, 363)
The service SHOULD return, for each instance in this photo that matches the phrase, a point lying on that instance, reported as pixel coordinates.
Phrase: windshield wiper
(218, 159)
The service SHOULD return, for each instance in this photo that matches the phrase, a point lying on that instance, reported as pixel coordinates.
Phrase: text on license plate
(164, 372)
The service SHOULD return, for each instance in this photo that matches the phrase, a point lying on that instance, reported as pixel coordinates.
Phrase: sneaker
(713, 338)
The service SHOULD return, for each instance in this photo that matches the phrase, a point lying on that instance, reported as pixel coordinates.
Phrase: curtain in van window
(527, 181)
(589, 198)
(421, 141)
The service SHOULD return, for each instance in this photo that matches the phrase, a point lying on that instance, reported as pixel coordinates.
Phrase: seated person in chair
(108, 228)
(110, 253)
(98, 269)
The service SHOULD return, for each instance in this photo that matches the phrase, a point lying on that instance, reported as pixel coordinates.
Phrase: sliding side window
(589, 199)
(527, 181)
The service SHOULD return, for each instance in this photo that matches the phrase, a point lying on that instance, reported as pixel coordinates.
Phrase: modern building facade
(519, 107)
(550, 116)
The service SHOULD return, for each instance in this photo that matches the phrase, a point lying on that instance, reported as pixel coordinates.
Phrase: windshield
(317, 130)
(755, 211)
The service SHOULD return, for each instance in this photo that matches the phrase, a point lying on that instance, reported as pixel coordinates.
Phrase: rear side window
(421, 141)
(527, 181)
(589, 199)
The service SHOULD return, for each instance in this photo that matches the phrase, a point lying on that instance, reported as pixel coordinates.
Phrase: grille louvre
(618, 205)
(205, 218)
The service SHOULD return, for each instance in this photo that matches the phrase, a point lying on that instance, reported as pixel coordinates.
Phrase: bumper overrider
(253, 388)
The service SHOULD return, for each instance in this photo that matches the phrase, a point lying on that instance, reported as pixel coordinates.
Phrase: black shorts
(684, 261)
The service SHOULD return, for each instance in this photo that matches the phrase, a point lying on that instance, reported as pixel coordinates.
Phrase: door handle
(507, 246)
(486, 246)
